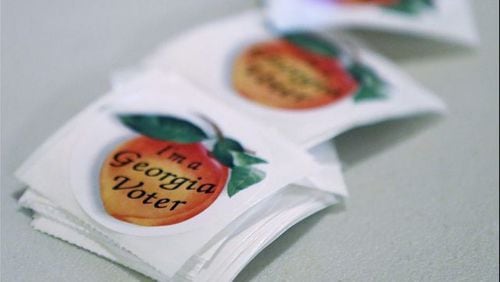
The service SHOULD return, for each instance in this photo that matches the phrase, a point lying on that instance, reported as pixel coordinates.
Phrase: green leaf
(244, 159)
(313, 43)
(428, 3)
(242, 178)
(223, 148)
(367, 93)
(411, 6)
(165, 128)
(371, 85)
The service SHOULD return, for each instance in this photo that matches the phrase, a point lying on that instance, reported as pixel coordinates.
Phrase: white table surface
(424, 192)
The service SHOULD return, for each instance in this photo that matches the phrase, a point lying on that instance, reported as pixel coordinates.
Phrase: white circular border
(97, 140)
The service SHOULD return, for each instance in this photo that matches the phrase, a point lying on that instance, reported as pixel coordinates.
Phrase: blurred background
(424, 192)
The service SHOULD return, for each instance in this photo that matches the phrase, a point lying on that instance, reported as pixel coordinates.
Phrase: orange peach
(150, 182)
(283, 75)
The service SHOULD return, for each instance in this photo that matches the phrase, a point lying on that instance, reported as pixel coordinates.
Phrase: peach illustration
(291, 74)
(166, 175)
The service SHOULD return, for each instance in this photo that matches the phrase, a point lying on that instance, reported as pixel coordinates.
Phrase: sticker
(167, 175)
(309, 86)
(150, 164)
(302, 71)
(444, 20)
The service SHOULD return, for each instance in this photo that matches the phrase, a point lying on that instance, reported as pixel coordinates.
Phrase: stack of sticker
(448, 20)
(214, 146)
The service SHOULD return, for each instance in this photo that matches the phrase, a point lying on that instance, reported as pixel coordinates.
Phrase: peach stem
(218, 131)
